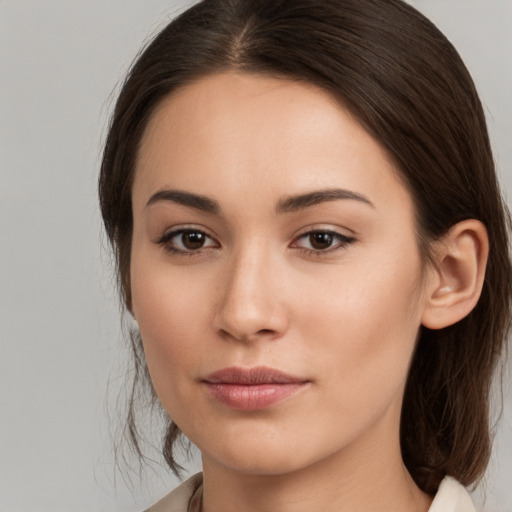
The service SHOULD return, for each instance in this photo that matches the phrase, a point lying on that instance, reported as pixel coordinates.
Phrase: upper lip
(251, 376)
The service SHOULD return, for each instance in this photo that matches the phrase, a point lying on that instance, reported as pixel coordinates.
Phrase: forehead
(243, 134)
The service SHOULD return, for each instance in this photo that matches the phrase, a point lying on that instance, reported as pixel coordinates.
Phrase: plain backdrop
(60, 341)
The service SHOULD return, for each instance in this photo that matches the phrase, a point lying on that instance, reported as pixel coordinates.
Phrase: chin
(262, 456)
(262, 465)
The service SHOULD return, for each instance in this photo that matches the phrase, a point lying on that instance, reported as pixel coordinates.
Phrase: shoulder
(179, 500)
(452, 497)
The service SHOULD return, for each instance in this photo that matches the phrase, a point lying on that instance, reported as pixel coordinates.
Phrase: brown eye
(186, 241)
(321, 240)
(193, 240)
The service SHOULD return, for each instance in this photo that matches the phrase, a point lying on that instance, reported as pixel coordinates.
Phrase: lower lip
(253, 397)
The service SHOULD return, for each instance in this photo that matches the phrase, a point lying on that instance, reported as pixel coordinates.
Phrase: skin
(345, 319)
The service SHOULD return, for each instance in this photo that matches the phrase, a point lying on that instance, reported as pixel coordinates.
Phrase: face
(275, 274)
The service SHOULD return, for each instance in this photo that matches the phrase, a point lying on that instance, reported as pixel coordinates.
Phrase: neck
(368, 476)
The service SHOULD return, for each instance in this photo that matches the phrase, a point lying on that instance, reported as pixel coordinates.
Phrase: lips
(252, 389)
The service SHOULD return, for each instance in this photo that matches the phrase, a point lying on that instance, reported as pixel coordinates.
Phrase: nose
(252, 304)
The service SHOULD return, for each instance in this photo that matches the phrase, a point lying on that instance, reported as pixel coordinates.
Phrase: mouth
(252, 389)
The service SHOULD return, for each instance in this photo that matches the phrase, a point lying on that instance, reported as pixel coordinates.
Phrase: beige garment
(451, 497)
(185, 498)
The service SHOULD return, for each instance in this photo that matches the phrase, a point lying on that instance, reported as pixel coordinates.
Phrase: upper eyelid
(176, 232)
(341, 236)
(327, 228)
(180, 228)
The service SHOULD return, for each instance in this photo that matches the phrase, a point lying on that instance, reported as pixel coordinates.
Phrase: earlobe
(456, 281)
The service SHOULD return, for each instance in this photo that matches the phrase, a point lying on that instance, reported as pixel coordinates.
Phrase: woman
(309, 233)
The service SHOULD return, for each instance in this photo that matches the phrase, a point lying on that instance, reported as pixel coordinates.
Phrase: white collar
(451, 497)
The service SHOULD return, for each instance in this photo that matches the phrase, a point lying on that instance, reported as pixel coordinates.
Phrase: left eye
(322, 241)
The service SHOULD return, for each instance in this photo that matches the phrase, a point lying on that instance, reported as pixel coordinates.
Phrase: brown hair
(409, 88)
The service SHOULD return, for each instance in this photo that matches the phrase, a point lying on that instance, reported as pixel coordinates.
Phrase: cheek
(168, 321)
(362, 329)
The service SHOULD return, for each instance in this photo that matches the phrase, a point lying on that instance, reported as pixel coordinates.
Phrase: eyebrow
(300, 202)
(202, 203)
(285, 205)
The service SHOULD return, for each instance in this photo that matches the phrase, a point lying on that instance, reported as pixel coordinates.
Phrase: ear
(456, 280)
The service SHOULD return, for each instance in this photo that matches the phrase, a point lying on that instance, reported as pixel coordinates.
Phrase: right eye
(186, 241)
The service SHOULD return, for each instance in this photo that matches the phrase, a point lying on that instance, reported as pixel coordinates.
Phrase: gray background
(60, 342)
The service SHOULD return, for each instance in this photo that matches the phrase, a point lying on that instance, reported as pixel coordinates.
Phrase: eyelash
(341, 242)
(166, 239)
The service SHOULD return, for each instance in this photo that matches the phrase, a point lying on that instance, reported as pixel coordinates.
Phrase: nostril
(265, 331)
(262, 333)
